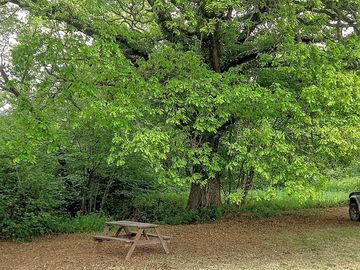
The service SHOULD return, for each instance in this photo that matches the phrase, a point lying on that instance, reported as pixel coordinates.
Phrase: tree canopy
(202, 90)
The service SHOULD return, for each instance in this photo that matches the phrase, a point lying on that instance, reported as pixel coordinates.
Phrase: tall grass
(87, 223)
(330, 194)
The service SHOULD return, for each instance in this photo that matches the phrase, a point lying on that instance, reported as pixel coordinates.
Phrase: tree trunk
(106, 192)
(208, 195)
(214, 50)
(247, 186)
(204, 196)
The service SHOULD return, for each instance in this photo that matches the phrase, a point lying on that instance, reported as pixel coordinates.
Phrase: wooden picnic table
(138, 238)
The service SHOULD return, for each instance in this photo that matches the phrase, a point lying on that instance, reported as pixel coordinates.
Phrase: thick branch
(229, 123)
(8, 86)
(255, 20)
(242, 59)
(163, 18)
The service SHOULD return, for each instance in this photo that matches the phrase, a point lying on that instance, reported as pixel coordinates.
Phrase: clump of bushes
(32, 204)
(170, 208)
(29, 201)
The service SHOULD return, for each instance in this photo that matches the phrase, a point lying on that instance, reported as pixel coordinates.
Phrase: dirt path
(314, 239)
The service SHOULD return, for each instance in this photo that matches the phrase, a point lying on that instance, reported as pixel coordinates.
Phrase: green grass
(86, 223)
(331, 194)
(170, 207)
(317, 238)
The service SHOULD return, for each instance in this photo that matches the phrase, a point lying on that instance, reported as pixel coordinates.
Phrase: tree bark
(214, 50)
(204, 196)
(208, 194)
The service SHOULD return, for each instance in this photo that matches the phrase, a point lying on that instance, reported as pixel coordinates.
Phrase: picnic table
(138, 238)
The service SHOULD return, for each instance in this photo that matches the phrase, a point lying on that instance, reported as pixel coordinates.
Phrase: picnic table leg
(128, 233)
(163, 243)
(146, 236)
(136, 239)
(118, 231)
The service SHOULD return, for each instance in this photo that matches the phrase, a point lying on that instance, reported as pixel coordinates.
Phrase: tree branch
(8, 87)
(54, 13)
(244, 58)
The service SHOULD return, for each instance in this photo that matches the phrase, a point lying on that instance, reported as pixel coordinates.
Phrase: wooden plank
(145, 234)
(128, 232)
(137, 237)
(133, 239)
(127, 223)
(118, 231)
(163, 243)
(109, 238)
(165, 237)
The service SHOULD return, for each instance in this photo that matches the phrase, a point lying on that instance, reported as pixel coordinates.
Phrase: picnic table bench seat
(109, 238)
(125, 237)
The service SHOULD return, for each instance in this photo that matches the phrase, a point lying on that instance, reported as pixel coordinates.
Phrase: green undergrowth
(45, 223)
(170, 208)
(332, 193)
(85, 223)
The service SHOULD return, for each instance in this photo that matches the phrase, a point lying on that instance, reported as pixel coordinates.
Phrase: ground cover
(311, 239)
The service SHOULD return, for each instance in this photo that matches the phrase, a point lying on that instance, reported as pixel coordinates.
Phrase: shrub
(160, 207)
(87, 223)
(170, 208)
(29, 202)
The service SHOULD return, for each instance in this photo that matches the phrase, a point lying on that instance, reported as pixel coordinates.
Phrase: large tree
(203, 89)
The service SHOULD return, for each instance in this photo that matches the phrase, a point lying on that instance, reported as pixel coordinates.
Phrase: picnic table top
(127, 223)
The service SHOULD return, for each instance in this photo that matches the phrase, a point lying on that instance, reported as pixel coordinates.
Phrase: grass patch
(331, 194)
(170, 207)
(318, 238)
(86, 223)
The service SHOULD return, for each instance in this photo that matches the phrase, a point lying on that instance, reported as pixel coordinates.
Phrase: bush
(87, 223)
(159, 207)
(32, 203)
(29, 201)
(170, 208)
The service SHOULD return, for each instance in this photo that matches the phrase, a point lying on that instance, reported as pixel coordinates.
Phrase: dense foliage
(109, 100)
